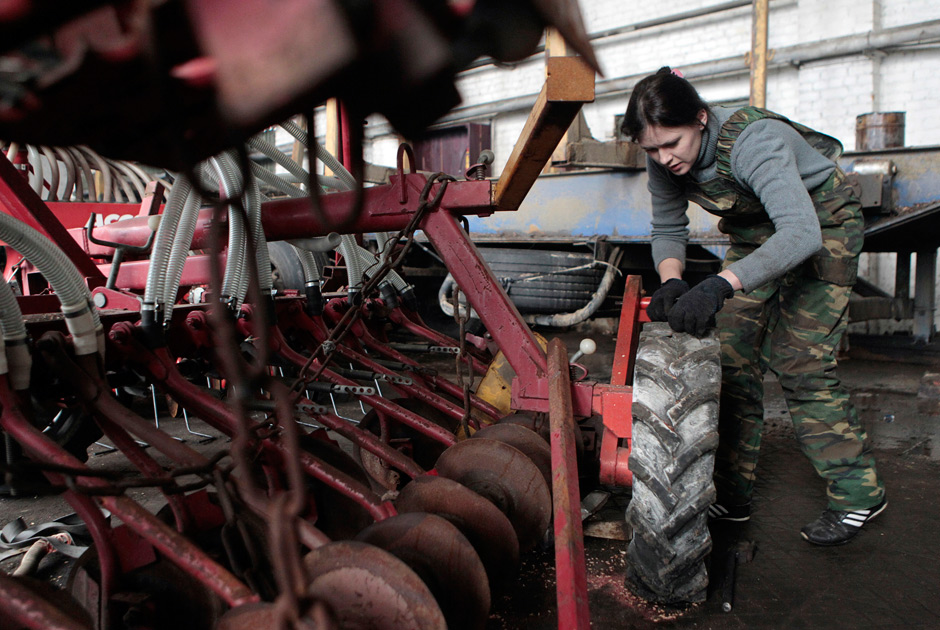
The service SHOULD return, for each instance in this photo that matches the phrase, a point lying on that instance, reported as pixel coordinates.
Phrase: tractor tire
(675, 434)
(551, 286)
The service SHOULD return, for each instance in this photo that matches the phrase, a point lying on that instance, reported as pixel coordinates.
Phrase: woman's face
(676, 148)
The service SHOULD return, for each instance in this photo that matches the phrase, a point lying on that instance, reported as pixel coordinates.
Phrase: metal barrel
(879, 130)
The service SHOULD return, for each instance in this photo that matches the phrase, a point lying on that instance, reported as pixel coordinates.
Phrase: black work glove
(695, 311)
(664, 297)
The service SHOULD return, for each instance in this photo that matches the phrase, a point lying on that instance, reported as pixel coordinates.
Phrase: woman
(795, 231)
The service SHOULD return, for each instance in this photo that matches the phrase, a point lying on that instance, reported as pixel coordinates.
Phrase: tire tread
(675, 415)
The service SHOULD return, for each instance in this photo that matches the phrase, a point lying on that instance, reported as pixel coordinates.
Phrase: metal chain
(462, 360)
(327, 348)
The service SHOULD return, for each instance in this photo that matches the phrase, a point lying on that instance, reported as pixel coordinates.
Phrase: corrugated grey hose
(348, 243)
(330, 161)
(15, 358)
(392, 281)
(276, 181)
(182, 241)
(81, 316)
(53, 173)
(107, 186)
(349, 248)
(162, 247)
(36, 176)
(303, 247)
(262, 256)
(84, 171)
(444, 300)
(271, 151)
(401, 286)
(222, 173)
(70, 173)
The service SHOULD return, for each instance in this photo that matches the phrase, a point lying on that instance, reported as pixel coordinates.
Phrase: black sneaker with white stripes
(836, 527)
(729, 512)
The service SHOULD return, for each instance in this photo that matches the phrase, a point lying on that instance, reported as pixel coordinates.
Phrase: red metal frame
(161, 368)
(616, 399)
(390, 208)
(415, 390)
(22, 202)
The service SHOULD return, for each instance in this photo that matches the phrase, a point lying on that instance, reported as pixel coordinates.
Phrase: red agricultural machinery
(446, 486)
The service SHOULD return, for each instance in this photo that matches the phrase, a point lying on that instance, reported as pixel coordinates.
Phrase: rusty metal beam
(569, 83)
(488, 299)
(571, 574)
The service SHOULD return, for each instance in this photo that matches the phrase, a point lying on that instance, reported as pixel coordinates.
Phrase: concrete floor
(889, 577)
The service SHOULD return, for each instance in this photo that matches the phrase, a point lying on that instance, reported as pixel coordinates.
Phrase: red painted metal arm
(25, 610)
(476, 280)
(156, 532)
(616, 399)
(628, 333)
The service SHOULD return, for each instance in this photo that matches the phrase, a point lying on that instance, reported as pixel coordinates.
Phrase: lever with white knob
(588, 346)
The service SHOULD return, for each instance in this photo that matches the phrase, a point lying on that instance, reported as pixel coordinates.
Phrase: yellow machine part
(495, 388)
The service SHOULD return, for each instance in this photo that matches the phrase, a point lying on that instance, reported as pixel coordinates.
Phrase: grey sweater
(769, 158)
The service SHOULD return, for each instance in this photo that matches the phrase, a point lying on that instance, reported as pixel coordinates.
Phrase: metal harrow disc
(422, 449)
(264, 615)
(526, 440)
(508, 478)
(532, 421)
(539, 423)
(443, 558)
(370, 589)
(487, 529)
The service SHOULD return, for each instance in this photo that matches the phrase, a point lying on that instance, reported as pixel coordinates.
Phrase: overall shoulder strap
(739, 120)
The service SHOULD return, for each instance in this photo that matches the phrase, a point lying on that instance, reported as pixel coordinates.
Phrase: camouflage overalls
(792, 325)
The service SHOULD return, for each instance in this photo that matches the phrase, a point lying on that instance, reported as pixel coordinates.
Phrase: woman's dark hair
(663, 99)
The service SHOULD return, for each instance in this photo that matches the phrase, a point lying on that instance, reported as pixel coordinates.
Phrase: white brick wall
(487, 84)
(383, 151)
(828, 94)
(601, 15)
(505, 130)
(900, 12)
(906, 80)
(821, 20)
(783, 91)
(783, 26)
(676, 44)
(833, 93)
